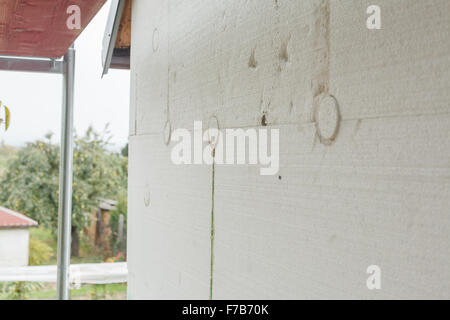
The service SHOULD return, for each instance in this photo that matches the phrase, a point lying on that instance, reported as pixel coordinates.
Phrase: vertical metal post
(65, 176)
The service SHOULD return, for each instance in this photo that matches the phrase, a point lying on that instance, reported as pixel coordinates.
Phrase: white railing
(94, 273)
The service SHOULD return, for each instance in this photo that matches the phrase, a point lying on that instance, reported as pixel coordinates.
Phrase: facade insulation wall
(379, 194)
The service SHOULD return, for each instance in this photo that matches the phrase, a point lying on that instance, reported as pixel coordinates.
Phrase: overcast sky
(35, 99)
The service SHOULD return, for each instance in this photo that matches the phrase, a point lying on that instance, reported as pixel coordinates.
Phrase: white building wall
(14, 247)
(380, 194)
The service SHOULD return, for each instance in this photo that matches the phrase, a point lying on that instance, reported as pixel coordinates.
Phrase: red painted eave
(38, 28)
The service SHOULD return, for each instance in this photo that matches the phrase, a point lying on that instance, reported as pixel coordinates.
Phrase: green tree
(30, 182)
(121, 209)
(124, 151)
(6, 154)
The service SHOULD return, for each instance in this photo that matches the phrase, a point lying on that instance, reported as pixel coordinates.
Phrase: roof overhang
(117, 38)
(38, 28)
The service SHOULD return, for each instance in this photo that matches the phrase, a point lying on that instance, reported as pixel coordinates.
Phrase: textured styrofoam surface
(380, 194)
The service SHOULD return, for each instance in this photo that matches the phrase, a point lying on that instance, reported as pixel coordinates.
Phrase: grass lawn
(85, 292)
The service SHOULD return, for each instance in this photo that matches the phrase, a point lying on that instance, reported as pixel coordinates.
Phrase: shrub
(40, 252)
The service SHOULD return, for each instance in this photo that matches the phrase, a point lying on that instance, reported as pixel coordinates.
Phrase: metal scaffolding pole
(66, 67)
(65, 176)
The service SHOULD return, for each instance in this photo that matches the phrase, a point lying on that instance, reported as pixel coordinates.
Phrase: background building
(14, 237)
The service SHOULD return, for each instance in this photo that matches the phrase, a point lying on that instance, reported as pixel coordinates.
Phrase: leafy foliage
(6, 154)
(40, 252)
(124, 151)
(19, 290)
(30, 182)
(121, 209)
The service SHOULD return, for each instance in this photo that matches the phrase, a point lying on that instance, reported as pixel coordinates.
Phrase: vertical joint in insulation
(211, 271)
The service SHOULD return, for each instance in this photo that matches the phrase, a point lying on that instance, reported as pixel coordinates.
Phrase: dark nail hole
(252, 63)
(264, 120)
